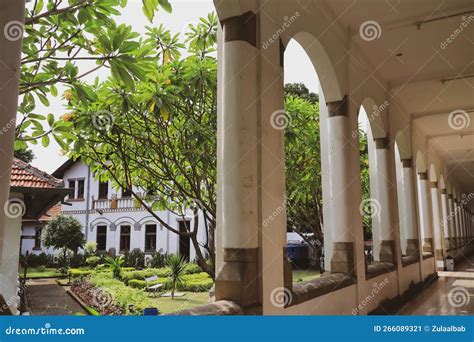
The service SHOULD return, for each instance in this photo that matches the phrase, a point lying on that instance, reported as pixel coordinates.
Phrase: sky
(298, 67)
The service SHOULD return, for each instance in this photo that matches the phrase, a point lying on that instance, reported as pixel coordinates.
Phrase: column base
(237, 280)
(343, 258)
(439, 255)
(427, 245)
(387, 252)
(287, 272)
(413, 247)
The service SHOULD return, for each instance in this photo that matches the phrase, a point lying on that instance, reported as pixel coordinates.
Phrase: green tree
(303, 175)
(160, 135)
(301, 91)
(177, 266)
(365, 182)
(64, 232)
(115, 264)
(63, 42)
(25, 155)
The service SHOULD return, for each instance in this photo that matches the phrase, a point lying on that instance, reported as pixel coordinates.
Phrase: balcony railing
(115, 203)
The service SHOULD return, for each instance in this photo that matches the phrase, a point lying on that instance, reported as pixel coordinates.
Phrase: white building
(115, 220)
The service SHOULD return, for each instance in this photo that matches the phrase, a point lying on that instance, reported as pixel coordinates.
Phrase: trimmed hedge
(197, 282)
(160, 272)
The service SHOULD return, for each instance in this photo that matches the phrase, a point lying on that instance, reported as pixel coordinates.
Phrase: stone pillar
(11, 17)
(457, 225)
(408, 209)
(384, 215)
(342, 260)
(451, 223)
(437, 221)
(445, 222)
(425, 213)
(238, 278)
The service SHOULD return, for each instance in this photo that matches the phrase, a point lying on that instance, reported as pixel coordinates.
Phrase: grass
(124, 295)
(36, 273)
(190, 300)
(305, 275)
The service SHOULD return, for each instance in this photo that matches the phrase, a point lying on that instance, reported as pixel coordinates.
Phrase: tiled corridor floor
(46, 298)
(451, 294)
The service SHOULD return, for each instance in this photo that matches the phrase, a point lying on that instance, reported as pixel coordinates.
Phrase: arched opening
(304, 195)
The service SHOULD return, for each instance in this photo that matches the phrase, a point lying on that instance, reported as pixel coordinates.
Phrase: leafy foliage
(64, 232)
(65, 41)
(115, 265)
(177, 267)
(159, 136)
(303, 165)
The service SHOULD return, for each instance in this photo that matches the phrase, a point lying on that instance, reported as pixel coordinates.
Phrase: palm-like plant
(115, 265)
(177, 266)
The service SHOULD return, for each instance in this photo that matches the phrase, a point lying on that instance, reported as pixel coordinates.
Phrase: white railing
(116, 203)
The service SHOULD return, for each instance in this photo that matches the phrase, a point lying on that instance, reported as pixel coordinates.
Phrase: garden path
(44, 297)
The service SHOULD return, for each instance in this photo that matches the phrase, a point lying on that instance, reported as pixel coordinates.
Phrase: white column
(339, 184)
(408, 209)
(445, 222)
(437, 223)
(425, 213)
(451, 222)
(11, 15)
(457, 227)
(239, 167)
(384, 215)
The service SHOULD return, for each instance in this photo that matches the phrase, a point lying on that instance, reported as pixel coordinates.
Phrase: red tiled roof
(51, 213)
(26, 176)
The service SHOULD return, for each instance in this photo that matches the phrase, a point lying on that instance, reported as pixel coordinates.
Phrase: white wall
(10, 260)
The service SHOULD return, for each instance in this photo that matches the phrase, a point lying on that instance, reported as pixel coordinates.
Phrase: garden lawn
(36, 273)
(305, 275)
(124, 295)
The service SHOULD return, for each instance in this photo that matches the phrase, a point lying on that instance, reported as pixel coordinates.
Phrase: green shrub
(135, 259)
(141, 275)
(42, 259)
(77, 272)
(93, 261)
(192, 268)
(198, 282)
(41, 268)
(157, 260)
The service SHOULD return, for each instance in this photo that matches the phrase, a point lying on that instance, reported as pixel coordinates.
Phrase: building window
(124, 238)
(126, 192)
(150, 238)
(38, 238)
(101, 238)
(103, 190)
(80, 189)
(78, 186)
(72, 185)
